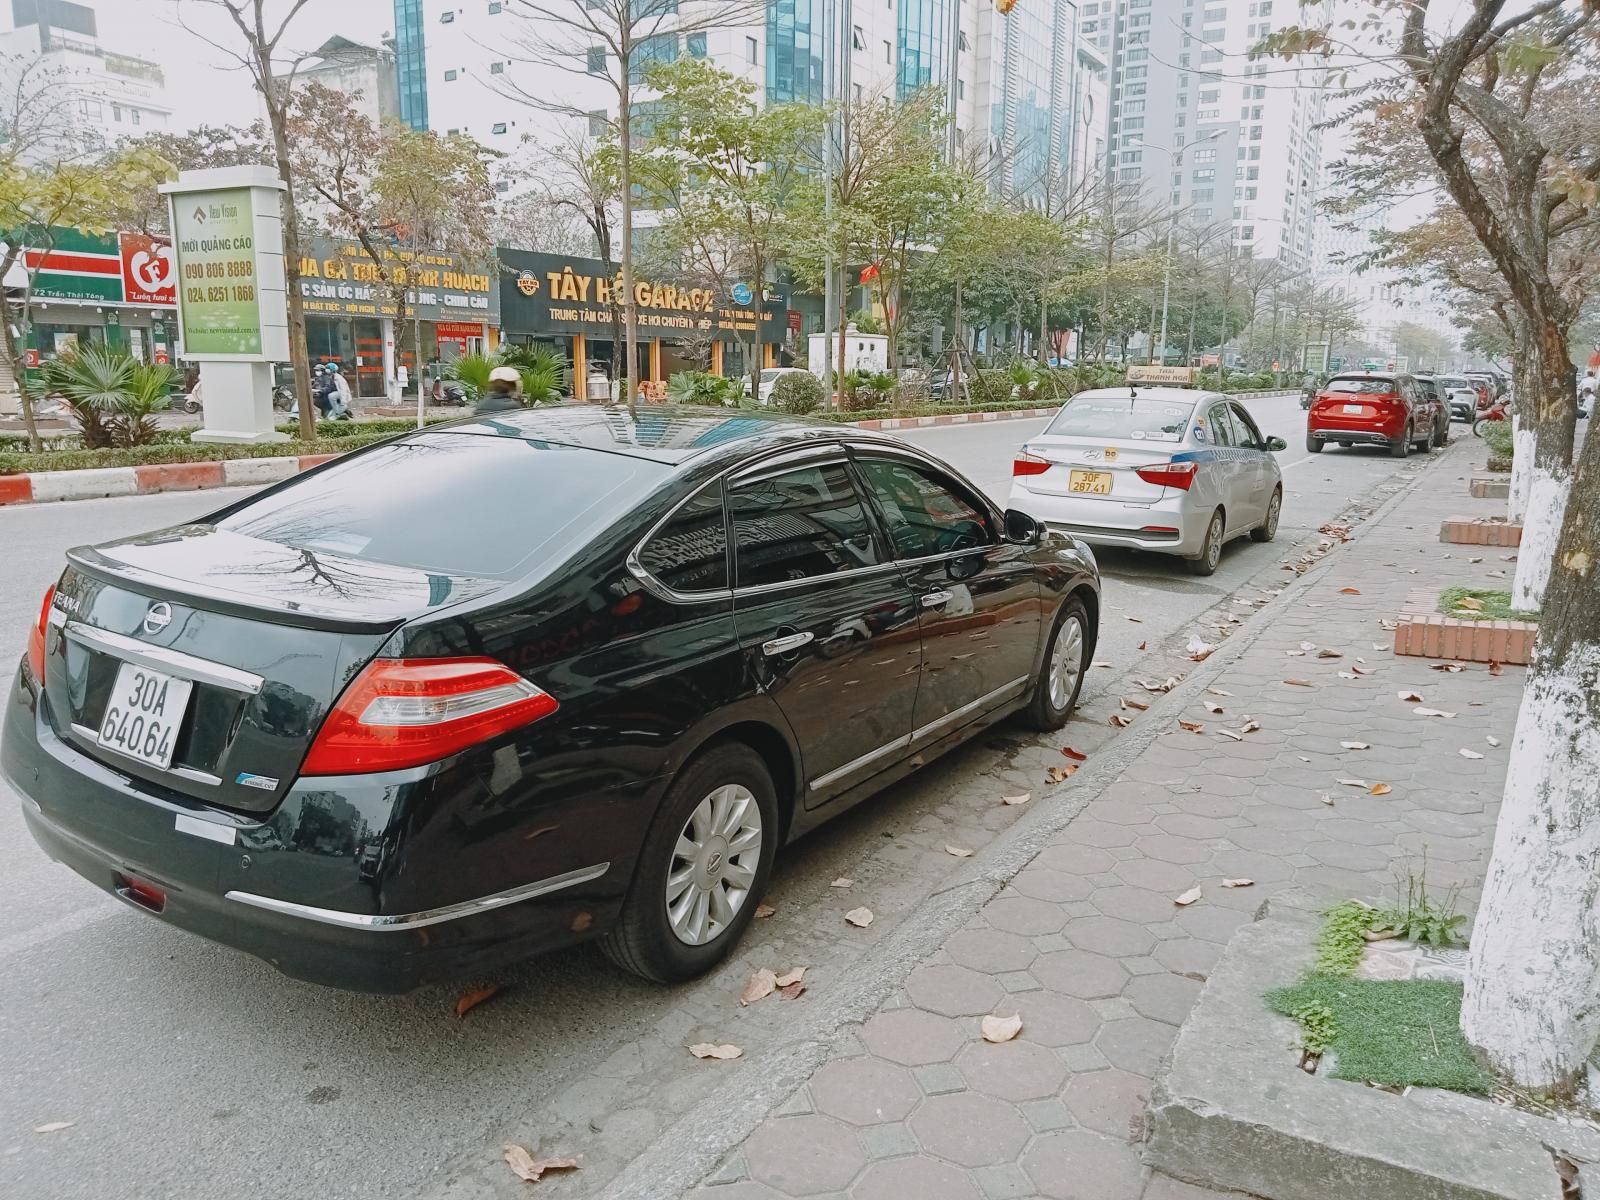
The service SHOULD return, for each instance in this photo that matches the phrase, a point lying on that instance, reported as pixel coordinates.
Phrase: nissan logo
(158, 618)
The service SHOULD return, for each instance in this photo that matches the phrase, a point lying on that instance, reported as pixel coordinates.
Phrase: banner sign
(1153, 374)
(220, 309)
(339, 279)
(543, 294)
(149, 269)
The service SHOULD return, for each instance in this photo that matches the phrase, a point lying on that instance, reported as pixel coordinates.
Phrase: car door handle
(935, 599)
(782, 645)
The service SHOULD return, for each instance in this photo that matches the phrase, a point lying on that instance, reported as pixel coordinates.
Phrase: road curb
(97, 483)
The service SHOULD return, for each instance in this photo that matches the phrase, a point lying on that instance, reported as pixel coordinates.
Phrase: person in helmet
(504, 393)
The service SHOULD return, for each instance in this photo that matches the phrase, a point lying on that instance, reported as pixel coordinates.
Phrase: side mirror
(1277, 443)
(1022, 529)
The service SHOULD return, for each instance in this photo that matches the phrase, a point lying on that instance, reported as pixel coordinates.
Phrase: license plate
(1355, 408)
(144, 714)
(1094, 483)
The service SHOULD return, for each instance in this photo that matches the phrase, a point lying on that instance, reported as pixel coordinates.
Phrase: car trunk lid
(1097, 469)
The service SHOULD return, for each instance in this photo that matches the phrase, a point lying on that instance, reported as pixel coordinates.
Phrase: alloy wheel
(1066, 662)
(713, 864)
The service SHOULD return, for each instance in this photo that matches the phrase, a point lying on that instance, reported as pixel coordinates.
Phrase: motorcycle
(283, 398)
(1307, 395)
(1497, 412)
(191, 404)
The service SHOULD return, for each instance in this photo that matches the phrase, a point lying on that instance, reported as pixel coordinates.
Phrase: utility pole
(829, 148)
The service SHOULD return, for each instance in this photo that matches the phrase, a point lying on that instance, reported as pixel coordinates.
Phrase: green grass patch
(1402, 1033)
(1496, 606)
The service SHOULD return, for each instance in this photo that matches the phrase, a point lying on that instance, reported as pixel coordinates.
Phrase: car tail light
(403, 712)
(1171, 474)
(1028, 464)
(36, 636)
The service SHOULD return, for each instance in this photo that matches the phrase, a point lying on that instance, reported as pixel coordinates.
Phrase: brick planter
(1489, 487)
(1425, 632)
(1480, 531)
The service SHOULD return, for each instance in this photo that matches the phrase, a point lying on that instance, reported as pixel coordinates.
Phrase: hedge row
(14, 463)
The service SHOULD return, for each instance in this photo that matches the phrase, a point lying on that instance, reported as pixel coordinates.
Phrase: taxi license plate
(144, 714)
(1355, 408)
(1094, 483)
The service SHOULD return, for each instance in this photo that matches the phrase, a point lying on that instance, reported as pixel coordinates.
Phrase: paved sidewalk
(1086, 942)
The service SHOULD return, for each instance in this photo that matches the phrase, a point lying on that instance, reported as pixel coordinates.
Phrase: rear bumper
(1358, 437)
(235, 881)
(1169, 526)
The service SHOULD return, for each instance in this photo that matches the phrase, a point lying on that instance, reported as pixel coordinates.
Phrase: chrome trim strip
(761, 589)
(92, 737)
(822, 781)
(955, 715)
(783, 459)
(432, 916)
(159, 658)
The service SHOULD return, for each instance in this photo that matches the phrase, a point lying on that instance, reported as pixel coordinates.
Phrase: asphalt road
(191, 1071)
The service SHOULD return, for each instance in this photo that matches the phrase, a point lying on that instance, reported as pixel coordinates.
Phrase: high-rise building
(1203, 128)
(99, 95)
(357, 69)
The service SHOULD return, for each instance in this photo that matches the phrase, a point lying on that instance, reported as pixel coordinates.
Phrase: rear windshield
(1453, 381)
(453, 503)
(1363, 387)
(1145, 419)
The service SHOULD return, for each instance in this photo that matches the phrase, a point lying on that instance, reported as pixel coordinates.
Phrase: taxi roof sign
(1181, 376)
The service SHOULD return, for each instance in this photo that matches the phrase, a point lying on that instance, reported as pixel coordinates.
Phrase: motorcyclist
(1308, 389)
(322, 389)
(504, 393)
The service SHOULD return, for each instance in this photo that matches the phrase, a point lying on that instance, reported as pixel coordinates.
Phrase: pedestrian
(321, 389)
(504, 394)
(342, 397)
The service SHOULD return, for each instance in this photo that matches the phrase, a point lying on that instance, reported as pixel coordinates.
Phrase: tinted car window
(799, 524)
(923, 513)
(1147, 418)
(1221, 428)
(1362, 387)
(1245, 427)
(452, 503)
(690, 552)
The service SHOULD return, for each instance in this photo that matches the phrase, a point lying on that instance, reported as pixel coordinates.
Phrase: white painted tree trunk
(1541, 530)
(1522, 452)
(1532, 1003)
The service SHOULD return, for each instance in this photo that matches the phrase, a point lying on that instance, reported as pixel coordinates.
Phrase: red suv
(1362, 408)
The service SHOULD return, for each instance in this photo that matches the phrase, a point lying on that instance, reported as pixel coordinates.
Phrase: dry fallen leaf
(1302, 758)
(1228, 733)
(1074, 755)
(54, 1126)
(1100, 662)
(759, 986)
(1238, 883)
(1199, 650)
(1308, 646)
(1216, 691)
(763, 911)
(1020, 798)
(1432, 712)
(1329, 654)
(1001, 1029)
(1118, 721)
(1348, 675)
(859, 917)
(1355, 745)
(843, 882)
(1382, 646)
(1362, 670)
(472, 997)
(1136, 705)
(1350, 591)
(791, 976)
(1143, 645)
(792, 991)
(526, 1166)
(1295, 653)
(1214, 709)
(957, 851)
(1250, 726)
(1134, 619)
(1453, 668)
(1470, 603)
(1496, 669)
(1493, 741)
(1465, 753)
(1326, 799)
(1060, 774)
(1299, 683)
(1411, 697)
(723, 1052)
(1380, 789)
(1192, 726)
(1188, 897)
(1360, 783)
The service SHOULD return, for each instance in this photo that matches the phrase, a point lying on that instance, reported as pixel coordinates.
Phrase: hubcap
(1214, 541)
(1272, 513)
(1066, 662)
(713, 864)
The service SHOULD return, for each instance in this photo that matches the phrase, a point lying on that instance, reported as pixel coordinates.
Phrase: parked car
(1173, 470)
(1441, 407)
(1372, 409)
(769, 379)
(377, 726)
(1488, 389)
(1462, 396)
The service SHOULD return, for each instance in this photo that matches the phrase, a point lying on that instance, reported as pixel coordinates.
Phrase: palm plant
(97, 383)
(546, 374)
(471, 371)
(149, 391)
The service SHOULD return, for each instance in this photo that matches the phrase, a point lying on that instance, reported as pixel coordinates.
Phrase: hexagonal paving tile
(1111, 1102)
(1081, 974)
(1043, 883)
(1133, 904)
(1015, 1070)
(804, 1156)
(1019, 914)
(1055, 1020)
(922, 1178)
(1170, 848)
(1078, 1165)
(1136, 1044)
(911, 1037)
(953, 991)
(1108, 935)
(864, 1091)
(1188, 956)
(991, 951)
(1156, 875)
(1075, 859)
(969, 1129)
(1167, 998)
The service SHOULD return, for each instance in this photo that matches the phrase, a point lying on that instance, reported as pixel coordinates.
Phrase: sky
(201, 87)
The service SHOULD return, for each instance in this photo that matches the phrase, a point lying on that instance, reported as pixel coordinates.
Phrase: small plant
(113, 396)
(471, 371)
(1317, 1026)
(701, 387)
(797, 393)
(1340, 943)
(1420, 918)
(1497, 436)
(1480, 604)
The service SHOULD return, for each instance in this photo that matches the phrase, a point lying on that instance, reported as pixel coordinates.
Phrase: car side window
(1249, 433)
(1221, 426)
(924, 513)
(803, 523)
(690, 552)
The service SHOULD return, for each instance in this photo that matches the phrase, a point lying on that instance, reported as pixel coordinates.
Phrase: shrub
(1497, 436)
(702, 387)
(113, 396)
(16, 463)
(797, 393)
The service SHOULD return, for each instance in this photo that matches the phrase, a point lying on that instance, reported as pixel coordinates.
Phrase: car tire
(1268, 529)
(1205, 563)
(1443, 439)
(1425, 443)
(1313, 445)
(1056, 688)
(646, 940)
(1401, 446)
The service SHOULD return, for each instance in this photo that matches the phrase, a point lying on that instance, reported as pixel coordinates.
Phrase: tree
(262, 42)
(725, 171)
(201, 148)
(610, 42)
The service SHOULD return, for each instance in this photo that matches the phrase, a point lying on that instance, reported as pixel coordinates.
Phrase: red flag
(870, 273)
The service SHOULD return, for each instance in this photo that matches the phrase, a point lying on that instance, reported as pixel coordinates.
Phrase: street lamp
(1176, 157)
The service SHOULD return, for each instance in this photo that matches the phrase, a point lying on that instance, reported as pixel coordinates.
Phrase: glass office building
(924, 37)
(411, 63)
(796, 33)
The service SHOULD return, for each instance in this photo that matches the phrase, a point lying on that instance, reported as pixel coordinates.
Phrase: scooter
(1497, 412)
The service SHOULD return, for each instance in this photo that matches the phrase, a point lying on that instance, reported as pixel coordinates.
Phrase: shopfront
(452, 308)
(575, 304)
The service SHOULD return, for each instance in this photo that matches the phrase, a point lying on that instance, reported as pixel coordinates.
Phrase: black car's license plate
(144, 713)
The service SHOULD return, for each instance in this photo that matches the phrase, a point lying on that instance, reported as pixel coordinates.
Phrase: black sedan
(505, 684)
